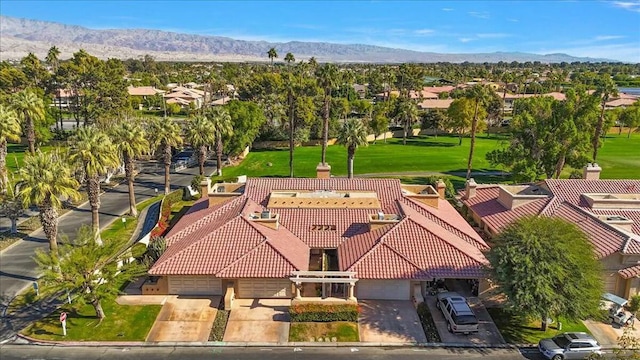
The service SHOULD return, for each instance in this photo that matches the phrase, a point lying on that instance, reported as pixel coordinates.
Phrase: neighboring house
(142, 92)
(185, 96)
(361, 90)
(64, 98)
(620, 102)
(318, 238)
(435, 104)
(608, 211)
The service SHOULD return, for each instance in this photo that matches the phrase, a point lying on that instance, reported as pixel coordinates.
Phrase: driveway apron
(259, 320)
(184, 319)
(390, 321)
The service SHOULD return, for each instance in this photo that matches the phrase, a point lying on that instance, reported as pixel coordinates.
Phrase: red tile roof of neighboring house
(621, 102)
(567, 202)
(224, 242)
(143, 91)
(435, 104)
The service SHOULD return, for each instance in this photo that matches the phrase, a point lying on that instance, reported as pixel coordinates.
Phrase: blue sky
(596, 28)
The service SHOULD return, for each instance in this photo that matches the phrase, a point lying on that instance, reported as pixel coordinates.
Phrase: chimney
(323, 171)
(441, 187)
(470, 189)
(205, 186)
(591, 172)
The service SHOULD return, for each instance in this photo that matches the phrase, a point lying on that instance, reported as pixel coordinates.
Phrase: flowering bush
(324, 313)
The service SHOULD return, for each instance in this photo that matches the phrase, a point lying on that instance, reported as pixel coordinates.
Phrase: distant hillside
(21, 36)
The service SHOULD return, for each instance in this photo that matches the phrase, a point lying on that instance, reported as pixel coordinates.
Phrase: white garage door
(383, 289)
(195, 285)
(264, 288)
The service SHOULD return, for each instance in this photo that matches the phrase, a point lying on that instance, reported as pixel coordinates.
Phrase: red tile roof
(223, 241)
(630, 272)
(568, 203)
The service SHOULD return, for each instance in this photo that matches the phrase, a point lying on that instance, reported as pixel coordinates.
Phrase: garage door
(383, 289)
(195, 285)
(264, 288)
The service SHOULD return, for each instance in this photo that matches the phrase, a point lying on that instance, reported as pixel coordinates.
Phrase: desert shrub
(428, 325)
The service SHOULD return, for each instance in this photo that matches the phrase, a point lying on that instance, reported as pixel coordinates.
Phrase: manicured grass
(517, 329)
(15, 155)
(424, 154)
(123, 323)
(343, 331)
(144, 204)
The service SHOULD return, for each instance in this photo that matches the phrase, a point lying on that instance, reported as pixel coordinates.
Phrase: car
(570, 345)
(457, 312)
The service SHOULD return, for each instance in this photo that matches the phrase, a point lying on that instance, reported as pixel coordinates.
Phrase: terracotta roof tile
(630, 272)
(571, 189)
(394, 265)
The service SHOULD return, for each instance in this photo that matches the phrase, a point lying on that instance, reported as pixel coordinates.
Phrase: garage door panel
(264, 288)
(195, 285)
(383, 289)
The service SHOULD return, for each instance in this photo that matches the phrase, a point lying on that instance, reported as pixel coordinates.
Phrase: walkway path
(18, 270)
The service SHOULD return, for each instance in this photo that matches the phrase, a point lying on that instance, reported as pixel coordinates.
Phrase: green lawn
(123, 323)
(343, 331)
(517, 329)
(15, 155)
(423, 154)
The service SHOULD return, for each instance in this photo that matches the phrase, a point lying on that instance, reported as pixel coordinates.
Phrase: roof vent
(380, 215)
(265, 214)
(381, 219)
(618, 221)
(220, 189)
(266, 218)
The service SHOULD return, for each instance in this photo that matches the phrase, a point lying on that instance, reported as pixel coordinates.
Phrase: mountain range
(20, 36)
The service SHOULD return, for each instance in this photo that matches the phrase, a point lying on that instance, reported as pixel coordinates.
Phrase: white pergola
(324, 277)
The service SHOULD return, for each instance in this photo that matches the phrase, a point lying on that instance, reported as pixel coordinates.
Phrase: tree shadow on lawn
(416, 141)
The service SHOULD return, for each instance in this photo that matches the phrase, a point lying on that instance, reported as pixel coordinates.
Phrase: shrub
(634, 304)
(428, 325)
(323, 313)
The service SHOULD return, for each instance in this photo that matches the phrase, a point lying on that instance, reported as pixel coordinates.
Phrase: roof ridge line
(266, 240)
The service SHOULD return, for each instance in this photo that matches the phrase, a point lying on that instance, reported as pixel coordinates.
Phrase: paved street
(10, 352)
(17, 267)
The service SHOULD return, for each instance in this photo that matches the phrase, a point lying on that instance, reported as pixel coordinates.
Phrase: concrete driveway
(390, 321)
(488, 331)
(184, 319)
(259, 320)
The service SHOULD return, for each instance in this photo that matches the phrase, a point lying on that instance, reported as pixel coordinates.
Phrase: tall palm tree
(313, 63)
(200, 134)
(328, 80)
(130, 141)
(30, 108)
(479, 94)
(165, 134)
(93, 151)
(409, 115)
(289, 58)
(352, 135)
(222, 127)
(606, 89)
(9, 131)
(53, 58)
(46, 178)
(272, 55)
(291, 88)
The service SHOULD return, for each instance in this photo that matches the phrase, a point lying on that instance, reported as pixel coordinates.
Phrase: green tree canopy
(546, 267)
(88, 270)
(247, 119)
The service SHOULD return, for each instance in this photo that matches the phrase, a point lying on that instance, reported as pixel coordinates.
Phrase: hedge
(323, 313)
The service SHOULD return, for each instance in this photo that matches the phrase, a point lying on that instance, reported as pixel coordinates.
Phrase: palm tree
(92, 150)
(352, 135)
(52, 58)
(480, 96)
(328, 80)
(291, 89)
(200, 134)
(408, 114)
(165, 134)
(606, 89)
(313, 63)
(289, 58)
(9, 131)
(30, 108)
(46, 178)
(130, 141)
(272, 55)
(222, 127)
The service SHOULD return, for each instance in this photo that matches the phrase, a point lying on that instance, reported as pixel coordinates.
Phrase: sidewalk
(18, 270)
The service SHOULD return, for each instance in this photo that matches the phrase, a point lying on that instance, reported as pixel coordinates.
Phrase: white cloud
(479, 14)
(628, 5)
(466, 39)
(607, 37)
(492, 35)
(447, 9)
(512, 20)
(423, 32)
